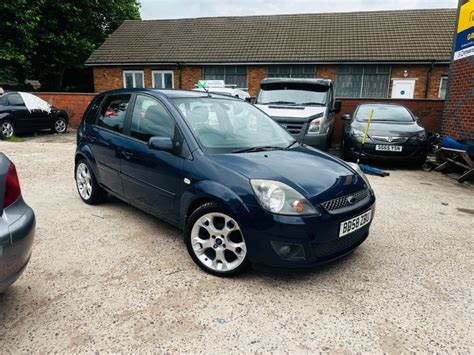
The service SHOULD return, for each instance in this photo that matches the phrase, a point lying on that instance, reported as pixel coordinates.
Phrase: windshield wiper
(278, 103)
(311, 104)
(256, 149)
(292, 144)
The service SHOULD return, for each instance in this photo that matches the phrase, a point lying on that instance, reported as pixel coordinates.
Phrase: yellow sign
(464, 46)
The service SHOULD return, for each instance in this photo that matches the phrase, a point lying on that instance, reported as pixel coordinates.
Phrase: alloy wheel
(60, 126)
(84, 181)
(217, 242)
(7, 129)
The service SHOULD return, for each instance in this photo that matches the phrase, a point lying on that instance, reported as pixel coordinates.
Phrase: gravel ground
(112, 278)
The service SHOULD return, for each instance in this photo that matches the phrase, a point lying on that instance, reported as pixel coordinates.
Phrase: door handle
(127, 154)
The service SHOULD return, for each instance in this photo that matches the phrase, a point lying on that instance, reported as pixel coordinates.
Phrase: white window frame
(134, 81)
(162, 72)
(443, 77)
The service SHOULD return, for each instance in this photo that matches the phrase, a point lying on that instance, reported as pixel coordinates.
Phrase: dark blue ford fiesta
(242, 189)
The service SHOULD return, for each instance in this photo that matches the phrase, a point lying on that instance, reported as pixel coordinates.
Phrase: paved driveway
(111, 278)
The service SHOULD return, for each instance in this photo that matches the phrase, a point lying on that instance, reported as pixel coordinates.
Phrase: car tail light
(12, 187)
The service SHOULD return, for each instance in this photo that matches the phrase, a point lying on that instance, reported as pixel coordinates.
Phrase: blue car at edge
(239, 186)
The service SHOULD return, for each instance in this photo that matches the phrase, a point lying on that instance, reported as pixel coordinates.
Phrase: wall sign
(464, 46)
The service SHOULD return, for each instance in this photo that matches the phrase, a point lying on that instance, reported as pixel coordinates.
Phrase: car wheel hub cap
(60, 126)
(218, 243)
(7, 130)
(84, 181)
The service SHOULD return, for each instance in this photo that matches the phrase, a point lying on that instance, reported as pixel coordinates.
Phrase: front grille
(292, 127)
(340, 245)
(389, 139)
(345, 201)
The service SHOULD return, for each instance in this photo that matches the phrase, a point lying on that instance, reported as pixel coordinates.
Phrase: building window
(291, 71)
(362, 81)
(162, 79)
(443, 85)
(235, 76)
(133, 79)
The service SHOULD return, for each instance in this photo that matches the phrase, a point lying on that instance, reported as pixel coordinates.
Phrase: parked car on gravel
(394, 134)
(240, 186)
(17, 225)
(23, 112)
(304, 107)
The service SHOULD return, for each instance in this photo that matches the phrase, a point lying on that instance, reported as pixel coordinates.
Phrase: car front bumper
(17, 230)
(410, 151)
(317, 236)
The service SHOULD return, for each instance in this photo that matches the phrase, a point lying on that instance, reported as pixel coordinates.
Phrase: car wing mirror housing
(337, 106)
(346, 117)
(161, 143)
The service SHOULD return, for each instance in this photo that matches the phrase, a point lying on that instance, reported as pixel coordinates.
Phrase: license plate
(355, 223)
(388, 148)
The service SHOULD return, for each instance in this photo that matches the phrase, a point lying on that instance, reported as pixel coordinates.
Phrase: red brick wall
(429, 112)
(74, 104)
(255, 75)
(458, 115)
(421, 74)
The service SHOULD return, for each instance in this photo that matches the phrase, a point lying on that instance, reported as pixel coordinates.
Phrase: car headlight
(359, 171)
(359, 135)
(421, 136)
(314, 126)
(279, 198)
(356, 133)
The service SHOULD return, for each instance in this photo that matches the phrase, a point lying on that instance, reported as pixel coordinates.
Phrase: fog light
(288, 251)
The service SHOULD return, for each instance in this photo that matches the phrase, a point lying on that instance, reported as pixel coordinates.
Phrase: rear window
(93, 108)
(384, 113)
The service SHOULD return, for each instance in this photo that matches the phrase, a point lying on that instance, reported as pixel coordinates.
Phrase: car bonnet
(317, 175)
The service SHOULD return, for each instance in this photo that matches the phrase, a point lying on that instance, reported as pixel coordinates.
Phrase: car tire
(212, 234)
(87, 186)
(7, 129)
(59, 125)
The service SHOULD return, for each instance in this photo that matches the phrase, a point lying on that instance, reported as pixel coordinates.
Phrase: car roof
(315, 81)
(169, 93)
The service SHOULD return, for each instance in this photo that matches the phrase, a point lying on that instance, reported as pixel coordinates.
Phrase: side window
(113, 112)
(3, 101)
(15, 100)
(150, 118)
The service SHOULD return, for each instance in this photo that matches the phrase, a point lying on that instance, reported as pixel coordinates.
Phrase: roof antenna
(202, 84)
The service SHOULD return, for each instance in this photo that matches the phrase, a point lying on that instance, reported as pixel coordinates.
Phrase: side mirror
(346, 117)
(160, 143)
(337, 106)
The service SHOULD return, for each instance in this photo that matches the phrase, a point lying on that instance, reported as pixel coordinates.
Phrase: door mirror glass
(161, 143)
(346, 117)
(337, 106)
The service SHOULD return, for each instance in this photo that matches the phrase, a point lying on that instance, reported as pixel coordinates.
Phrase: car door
(106, 139)
(152, 179)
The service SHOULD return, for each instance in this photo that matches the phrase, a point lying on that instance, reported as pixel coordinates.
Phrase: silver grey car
(17, 226)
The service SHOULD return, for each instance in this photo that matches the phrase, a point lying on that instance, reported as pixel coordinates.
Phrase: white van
(304, 107)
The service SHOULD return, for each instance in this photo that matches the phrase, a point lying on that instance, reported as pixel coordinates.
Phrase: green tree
(47, 37)
(18, 20)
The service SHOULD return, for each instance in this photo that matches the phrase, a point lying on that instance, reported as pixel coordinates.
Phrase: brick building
(458, 115)
(389, 54)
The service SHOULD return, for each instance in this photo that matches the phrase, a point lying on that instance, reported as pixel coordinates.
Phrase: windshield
(227, 125)
(293, 94)
(384, 113)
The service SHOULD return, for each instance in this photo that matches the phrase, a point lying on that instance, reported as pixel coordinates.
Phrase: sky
(163, 9)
